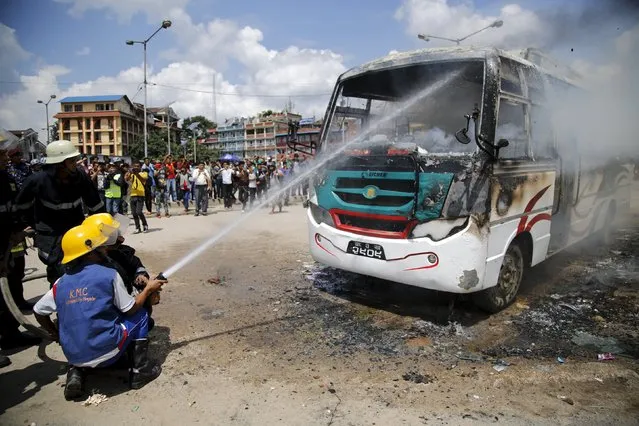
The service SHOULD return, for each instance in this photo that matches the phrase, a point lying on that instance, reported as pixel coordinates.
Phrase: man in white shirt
(202, 182)
(227, 185)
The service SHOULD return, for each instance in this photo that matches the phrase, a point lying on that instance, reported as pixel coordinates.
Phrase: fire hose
(16, 312)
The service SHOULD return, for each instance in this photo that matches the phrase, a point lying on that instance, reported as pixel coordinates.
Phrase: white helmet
(58, 151)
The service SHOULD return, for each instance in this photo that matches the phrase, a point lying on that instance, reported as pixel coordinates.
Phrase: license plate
(374, 251)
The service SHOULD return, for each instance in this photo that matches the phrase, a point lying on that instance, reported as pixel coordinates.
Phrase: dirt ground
(283, 340)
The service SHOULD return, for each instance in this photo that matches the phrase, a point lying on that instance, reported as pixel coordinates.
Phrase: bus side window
(541, 133)
(511, 126)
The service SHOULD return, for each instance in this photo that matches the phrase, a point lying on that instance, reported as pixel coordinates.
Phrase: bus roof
(400, 59)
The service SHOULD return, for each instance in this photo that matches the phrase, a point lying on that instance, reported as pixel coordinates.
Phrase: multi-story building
(261, 132)
(210, 140)
(309, 130)
(166, 117)
(106, 125)
(230, 136)
(29, 144)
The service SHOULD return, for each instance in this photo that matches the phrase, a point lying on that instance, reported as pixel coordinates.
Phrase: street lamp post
(165, 24)
(426, 37)
(46, 109)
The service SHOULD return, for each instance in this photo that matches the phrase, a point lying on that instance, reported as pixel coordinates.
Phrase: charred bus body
(462, 189)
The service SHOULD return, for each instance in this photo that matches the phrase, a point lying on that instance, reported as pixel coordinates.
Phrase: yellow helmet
(107, 224)
(81, 240)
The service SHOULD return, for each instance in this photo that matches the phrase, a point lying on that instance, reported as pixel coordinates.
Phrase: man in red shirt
(170, 178)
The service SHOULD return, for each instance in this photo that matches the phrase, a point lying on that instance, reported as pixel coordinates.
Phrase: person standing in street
(184, 185)
(113, 189)
(252, 184)
(161, 193)
(51, 202)
(170, 178)
(11, 231)
(149, 186)
(202, 181)
(98, 176)
(137, 182)
(227, 185)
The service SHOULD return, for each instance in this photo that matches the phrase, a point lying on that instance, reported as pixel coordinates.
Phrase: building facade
(164, 118)
(309, 131)
(231, 136)
(29, 144)
(262, 131)
(101, 125)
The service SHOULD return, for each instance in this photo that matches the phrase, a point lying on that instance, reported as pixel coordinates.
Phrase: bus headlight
(439, 229)
(321, 215)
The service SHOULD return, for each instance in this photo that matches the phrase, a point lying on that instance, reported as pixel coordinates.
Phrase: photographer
(113, 189)
(137, 181)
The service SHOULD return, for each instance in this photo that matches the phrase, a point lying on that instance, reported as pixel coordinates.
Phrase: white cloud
(11, 52)
(203, 50)
(124, 9)
(445, 18)
(84, 51)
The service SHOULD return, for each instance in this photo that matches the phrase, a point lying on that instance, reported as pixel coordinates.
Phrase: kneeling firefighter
(98, 320)
(122, 258)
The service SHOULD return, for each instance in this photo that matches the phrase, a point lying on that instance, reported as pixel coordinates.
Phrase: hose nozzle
(161, 277)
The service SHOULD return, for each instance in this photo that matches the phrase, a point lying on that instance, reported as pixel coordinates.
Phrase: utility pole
(165, 24)
(214, 102)
(168, 126)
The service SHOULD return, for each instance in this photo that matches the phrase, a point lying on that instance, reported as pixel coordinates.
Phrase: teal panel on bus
(384, 193)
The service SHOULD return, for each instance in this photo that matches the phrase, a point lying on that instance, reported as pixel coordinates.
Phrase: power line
(254, 95)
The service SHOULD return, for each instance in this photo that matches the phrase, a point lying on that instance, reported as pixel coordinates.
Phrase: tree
(156, 145)
(201, 128)
(267, 113)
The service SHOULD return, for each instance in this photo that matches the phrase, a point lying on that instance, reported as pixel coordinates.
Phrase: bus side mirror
(462, 136)
(502, 143)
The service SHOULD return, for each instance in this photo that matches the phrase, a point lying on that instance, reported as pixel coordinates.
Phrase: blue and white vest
(88, 320)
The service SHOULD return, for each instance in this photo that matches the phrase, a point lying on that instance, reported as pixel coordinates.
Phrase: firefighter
(123, 259)
(10, 232)
(52, 201)
(97, 319)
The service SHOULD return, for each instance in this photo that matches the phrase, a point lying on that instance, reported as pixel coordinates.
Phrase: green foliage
(200, 130)
(157, 145)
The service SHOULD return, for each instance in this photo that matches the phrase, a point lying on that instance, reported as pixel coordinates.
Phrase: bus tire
(499, 297)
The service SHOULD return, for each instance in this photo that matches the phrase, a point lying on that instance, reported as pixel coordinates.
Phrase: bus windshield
(395, 105)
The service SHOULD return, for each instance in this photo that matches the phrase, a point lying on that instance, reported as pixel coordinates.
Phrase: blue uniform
(94, 330)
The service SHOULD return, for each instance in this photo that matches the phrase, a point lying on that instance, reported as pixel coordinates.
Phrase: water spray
(428, 90)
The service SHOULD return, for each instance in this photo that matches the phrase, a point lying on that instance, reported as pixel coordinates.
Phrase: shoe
(75, 384)
(158, 216)
(143, 370)
(167, 215)
(197, 213)
(18, 340)
(145, 230)
(137, 231)
(204, 214)
(4, 361)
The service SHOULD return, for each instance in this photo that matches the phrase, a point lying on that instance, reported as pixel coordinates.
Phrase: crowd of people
(153, 185)
(75, 208)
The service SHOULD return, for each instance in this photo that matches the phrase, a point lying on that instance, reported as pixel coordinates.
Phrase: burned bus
(451, 174)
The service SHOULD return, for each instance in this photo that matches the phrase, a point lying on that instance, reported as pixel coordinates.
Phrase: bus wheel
(496, 298)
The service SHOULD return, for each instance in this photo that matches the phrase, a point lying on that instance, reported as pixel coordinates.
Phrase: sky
(261, 53)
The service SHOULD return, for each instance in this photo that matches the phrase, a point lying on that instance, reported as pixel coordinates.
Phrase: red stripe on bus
(529, 207)
(538, 218)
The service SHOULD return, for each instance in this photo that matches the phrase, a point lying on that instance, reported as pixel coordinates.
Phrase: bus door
(566, 193)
